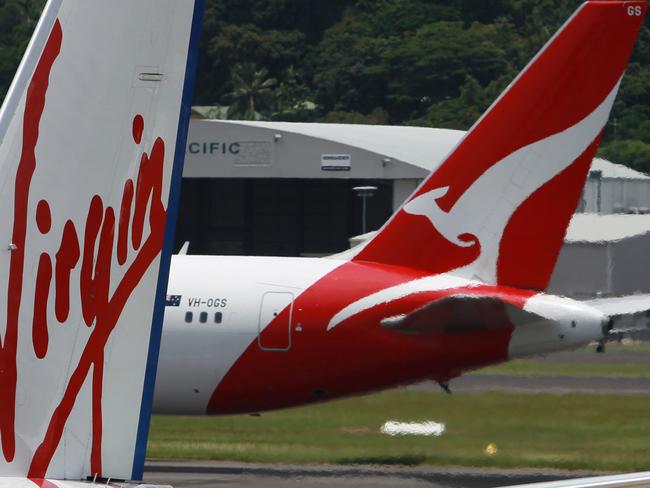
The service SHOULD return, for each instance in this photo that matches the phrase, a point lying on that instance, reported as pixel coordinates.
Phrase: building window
(218, 317)
(189, 316)
(203, 317)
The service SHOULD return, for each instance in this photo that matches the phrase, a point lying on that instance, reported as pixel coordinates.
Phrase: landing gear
(445, 386)
(607, 331)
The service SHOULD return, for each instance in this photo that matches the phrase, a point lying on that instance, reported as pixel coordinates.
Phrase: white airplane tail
(92, 137)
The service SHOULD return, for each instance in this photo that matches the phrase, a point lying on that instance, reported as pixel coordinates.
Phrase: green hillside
(417, 62)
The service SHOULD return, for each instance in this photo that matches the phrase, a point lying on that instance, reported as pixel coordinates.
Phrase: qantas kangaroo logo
(480, 216)
(504, 187)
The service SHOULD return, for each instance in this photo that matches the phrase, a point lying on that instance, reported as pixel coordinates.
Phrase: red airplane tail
(498, 208)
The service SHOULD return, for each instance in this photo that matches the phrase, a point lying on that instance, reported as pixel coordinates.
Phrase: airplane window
(189, 316)
(218, 316)
(203, 318)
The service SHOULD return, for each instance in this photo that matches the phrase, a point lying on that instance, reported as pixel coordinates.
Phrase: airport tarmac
(589, 356)
(477, 383)
(610, 385)
(207, 474)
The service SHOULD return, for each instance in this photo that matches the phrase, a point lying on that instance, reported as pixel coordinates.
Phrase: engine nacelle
(564, 324)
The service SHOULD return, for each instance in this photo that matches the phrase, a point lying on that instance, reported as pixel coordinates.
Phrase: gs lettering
(634, 11)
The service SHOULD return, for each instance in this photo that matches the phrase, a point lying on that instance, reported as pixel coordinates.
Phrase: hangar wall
(224, 149)
(604, 255)
(575, 274)
(275, 217)
(614, 188)
(630, 265)
(586, 270)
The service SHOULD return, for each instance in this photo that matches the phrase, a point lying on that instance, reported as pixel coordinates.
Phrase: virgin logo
(91, 256)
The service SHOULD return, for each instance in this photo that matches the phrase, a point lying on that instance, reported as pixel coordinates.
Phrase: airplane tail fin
(92, 137)
(498, 207)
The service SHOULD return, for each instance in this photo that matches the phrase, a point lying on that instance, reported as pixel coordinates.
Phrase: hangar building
(286, 189)
(604, 255)
(614, 188)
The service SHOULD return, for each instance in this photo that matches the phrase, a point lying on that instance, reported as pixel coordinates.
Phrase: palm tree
(252, 91)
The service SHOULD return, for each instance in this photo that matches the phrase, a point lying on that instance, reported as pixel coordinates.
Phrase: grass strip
(572, 431)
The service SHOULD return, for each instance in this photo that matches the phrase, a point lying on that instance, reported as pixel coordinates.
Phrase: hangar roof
(593, 228)
(616, 171)
(420, 146)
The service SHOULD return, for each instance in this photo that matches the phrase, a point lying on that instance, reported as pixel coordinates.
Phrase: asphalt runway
(478, 383)
(195, 474)
(609, 385)
(589, 357)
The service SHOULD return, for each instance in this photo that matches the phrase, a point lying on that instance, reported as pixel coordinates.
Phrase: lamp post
(597, 176)
(364, 192)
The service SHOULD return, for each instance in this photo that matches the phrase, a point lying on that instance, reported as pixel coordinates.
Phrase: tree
(17, 21)
(425, 62)
(376, 117)
(341, 79)
(435, 62)
(293, 99)
(252, 91)
(635, 154)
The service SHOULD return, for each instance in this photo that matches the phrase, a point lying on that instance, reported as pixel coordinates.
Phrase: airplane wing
(630, 480)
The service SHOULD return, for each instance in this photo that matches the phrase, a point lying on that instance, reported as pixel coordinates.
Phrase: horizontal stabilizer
(618, 306)
(459, 314)
(624, 312)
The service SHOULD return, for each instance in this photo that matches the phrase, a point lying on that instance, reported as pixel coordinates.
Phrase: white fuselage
(195, 356)
(219, 306)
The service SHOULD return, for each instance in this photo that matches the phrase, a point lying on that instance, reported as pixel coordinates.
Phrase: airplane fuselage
(249, 334)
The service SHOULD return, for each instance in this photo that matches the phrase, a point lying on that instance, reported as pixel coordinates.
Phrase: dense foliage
(419, 62)
(18, 19)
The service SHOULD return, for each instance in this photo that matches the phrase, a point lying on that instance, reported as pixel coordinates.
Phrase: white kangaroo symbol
(485, 209)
